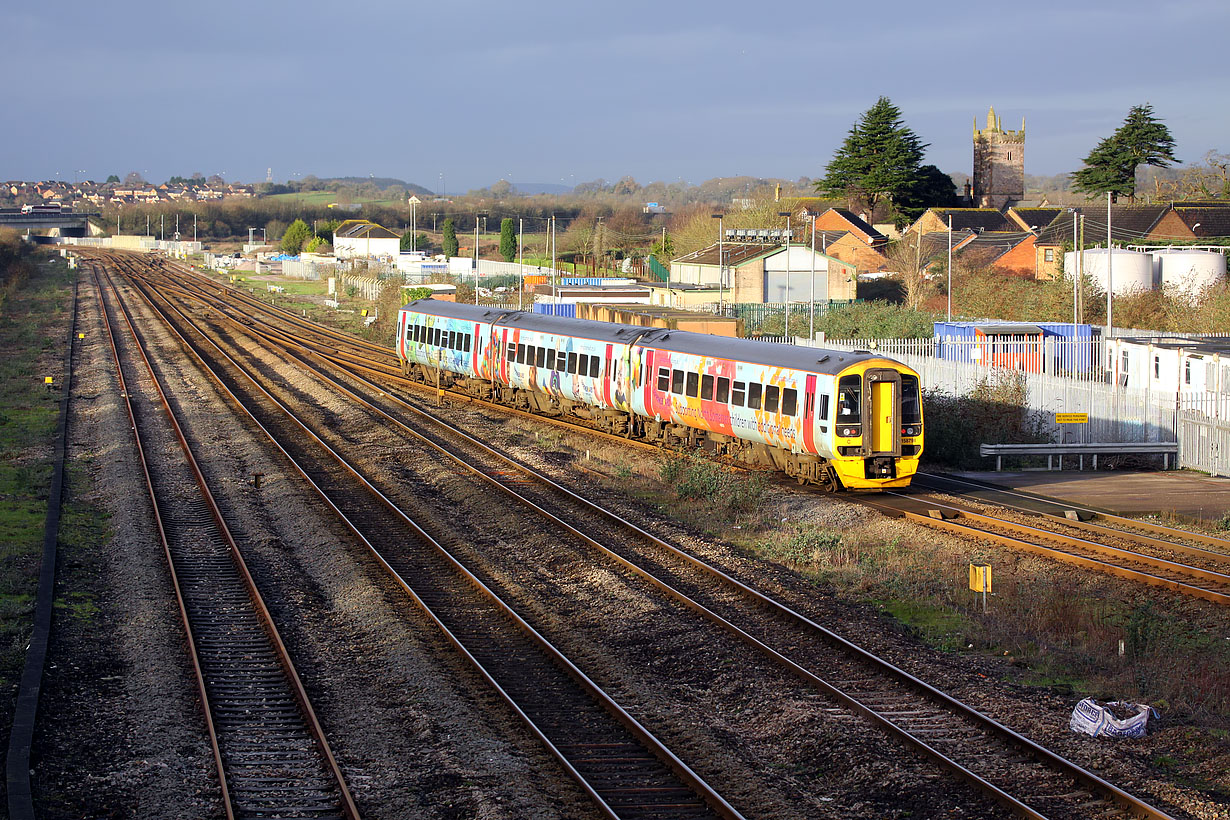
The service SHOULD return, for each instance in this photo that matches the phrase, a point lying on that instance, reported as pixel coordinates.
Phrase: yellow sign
(1071, 418)
(980, 577)
(80, 335)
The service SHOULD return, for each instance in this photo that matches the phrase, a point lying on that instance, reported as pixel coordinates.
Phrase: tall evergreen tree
(508, 240)
(878, 161)
(450, 238)
(1111, 166)
(295, 237)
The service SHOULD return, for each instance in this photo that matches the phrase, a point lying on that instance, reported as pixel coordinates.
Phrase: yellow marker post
(48, 379)
(980, 581)
(80, 335)
(363, 312)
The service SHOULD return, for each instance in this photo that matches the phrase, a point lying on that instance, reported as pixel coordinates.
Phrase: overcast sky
(463, 94)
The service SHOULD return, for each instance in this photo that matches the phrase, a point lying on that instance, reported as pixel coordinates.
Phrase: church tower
(999, 163)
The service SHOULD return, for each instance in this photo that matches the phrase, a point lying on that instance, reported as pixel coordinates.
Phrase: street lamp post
(1110, 274)
(811, 315)
(950, 268)
(414, 200)
(477, 216)
(721, 269)
(786, 327)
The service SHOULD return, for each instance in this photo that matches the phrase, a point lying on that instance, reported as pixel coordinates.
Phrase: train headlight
(848, 432)
(909, 431)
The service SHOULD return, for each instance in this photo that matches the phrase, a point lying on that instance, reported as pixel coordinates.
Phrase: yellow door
(883, 421)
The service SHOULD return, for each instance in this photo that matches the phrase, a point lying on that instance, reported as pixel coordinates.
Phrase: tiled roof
(1128, 223)
(858, 222)
(987, 219)
(1034, 217)
(1205, 220)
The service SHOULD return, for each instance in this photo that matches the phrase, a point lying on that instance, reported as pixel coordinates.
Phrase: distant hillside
(383, 183)
(531, 188)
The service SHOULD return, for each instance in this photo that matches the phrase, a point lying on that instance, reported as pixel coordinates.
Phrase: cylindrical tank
(1188, 272)
(1132, 272)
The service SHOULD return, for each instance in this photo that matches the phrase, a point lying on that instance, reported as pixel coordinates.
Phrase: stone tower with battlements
(999, 163)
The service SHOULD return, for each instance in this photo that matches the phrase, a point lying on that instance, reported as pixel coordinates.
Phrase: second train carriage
(830, 417)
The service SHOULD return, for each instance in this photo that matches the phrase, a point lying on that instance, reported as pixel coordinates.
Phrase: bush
(994, 412)
(725, 494)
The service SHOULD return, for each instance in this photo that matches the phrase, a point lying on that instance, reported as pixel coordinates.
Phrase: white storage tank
(1132, 272)
(1189, 272)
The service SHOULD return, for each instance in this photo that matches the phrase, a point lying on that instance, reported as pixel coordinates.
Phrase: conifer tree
(1111, 166)
(450, 238)
(508, 240)
(878, 161)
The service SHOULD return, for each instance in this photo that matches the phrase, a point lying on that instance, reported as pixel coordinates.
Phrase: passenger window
(512, 352)
(790, 402)
(572, 363)
(753, 395)
(823, 413)
(595, 366)
(693, 384)
(465, 342)
(664, 379)
(771, 394)
(540, 357)
(451, 343)
(550, 360)
(520, 354)
(737, 398)
(583, 364)
(723, 389)
(706, 388)
(677, 381)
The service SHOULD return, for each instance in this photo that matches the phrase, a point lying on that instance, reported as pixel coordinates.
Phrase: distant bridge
(69, 223)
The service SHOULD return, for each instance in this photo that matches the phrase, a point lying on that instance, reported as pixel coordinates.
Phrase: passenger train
(835, 418)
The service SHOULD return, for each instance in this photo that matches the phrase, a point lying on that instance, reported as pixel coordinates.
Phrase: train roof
(812, 359)
(585, 328)
(456, 310)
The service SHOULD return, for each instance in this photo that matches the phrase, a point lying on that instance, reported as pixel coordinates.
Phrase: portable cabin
(1041, 347)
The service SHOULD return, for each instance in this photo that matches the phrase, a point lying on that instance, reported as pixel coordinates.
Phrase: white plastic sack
(1091, 718)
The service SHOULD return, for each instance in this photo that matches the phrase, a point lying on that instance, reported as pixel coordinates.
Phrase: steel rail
(1065, 556)
(1222, 553)
(1039, 753)
(294, 682)
(707, 794)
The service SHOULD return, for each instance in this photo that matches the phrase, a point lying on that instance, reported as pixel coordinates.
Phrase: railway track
(1026, 778)
(1173, 563)
(269, 750)
(620, 764)
(1181, 561)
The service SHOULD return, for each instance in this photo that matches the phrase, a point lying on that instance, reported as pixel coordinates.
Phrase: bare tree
(906, 258)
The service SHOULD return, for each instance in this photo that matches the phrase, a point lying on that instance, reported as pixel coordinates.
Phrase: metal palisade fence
(1069, 376)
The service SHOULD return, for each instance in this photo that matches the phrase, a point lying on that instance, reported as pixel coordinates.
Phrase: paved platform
(1179, 492)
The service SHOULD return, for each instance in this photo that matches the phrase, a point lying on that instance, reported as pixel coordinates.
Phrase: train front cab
(878, 430)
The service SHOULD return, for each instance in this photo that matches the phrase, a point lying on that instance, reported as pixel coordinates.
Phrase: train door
(881, 403)
(809, 414)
